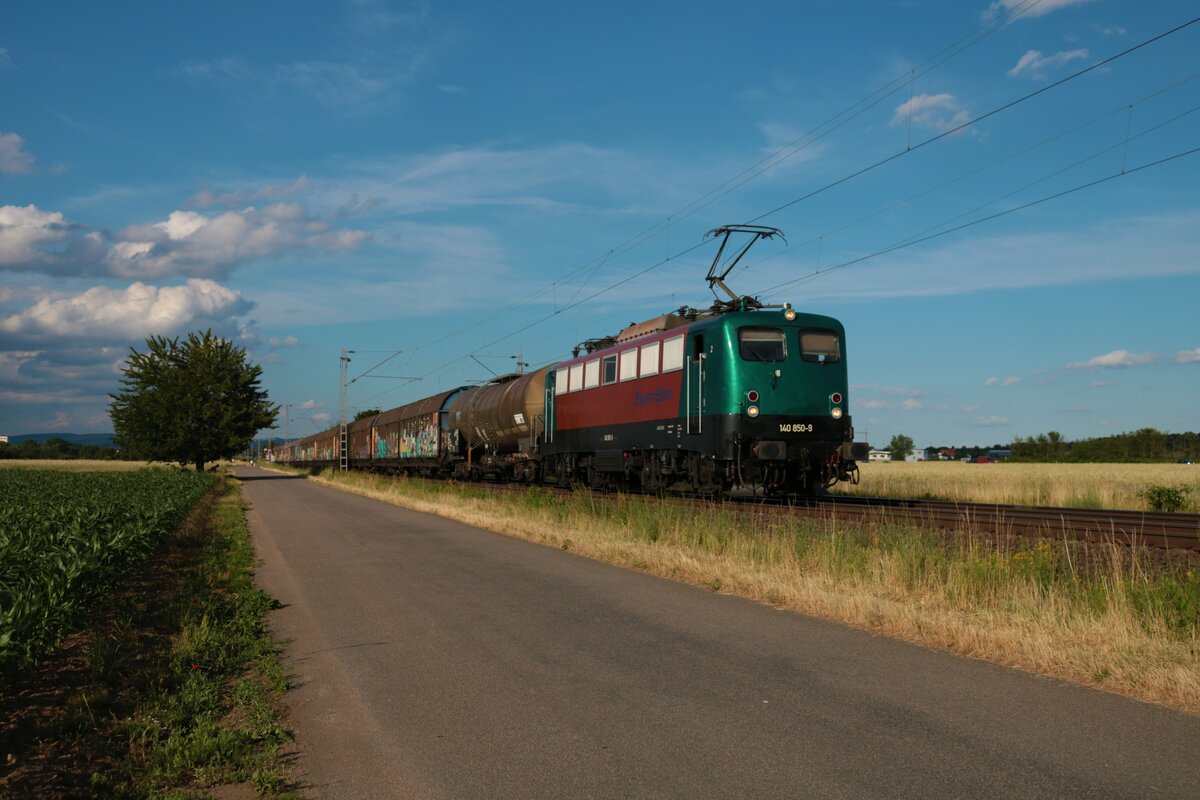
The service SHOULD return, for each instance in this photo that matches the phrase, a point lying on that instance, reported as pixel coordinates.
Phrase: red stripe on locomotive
(655, 397)
(648, 399)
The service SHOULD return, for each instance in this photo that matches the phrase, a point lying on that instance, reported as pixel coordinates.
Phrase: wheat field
(1077, 485)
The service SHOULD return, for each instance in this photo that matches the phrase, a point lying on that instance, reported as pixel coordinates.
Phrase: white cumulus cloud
(1035, 10)
(1188, 356)
(186, 243)
(132, 313)
(939, 112)
(190, 243)
(25, 232)
(14, 158)
(1034, 64)
(1115, 359)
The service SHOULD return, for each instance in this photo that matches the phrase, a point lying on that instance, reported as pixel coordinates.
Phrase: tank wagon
(740, 396)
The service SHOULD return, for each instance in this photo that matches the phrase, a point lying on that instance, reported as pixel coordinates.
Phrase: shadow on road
(272, 477)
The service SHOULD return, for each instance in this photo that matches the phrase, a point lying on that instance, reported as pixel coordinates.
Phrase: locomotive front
(779, 388)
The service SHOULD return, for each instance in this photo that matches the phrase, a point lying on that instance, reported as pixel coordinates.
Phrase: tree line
(1146, 444)
(57, 449)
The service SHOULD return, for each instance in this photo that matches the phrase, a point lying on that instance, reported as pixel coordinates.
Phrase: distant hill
(98, 439)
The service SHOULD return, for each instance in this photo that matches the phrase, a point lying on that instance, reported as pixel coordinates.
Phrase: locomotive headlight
(752, 411)
(789, 314)
(837, 413)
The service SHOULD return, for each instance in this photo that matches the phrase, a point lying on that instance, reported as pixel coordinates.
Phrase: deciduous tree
(192, 401)
(901, 447)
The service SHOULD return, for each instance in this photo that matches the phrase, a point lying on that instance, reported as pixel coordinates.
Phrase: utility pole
(343, 454)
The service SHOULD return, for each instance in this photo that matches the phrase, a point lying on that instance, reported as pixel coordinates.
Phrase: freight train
(740, 397)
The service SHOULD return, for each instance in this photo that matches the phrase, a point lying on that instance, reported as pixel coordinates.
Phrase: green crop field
(66, 538)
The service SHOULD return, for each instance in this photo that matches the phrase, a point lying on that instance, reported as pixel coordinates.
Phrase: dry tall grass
(1081, 485)
(1075, 613)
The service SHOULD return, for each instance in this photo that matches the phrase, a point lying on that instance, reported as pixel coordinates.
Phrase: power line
(911, 242)
(810, 137)
(976, 171)
(943, 135)
(851, 176)
(1122, 143)
(976, 120)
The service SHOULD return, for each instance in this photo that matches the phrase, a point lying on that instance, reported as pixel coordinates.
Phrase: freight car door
(694, 390)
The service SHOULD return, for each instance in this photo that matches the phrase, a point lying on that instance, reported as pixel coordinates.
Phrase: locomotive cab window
(820, 346)
(762, 344)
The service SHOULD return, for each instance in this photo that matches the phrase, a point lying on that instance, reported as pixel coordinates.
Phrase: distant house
(1000, 455)
(879, 455)
(947, 454)
(916, 455)
(3, 438)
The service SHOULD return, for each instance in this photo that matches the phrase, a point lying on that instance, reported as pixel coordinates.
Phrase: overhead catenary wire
(911, 242)
(1122, 143)
(1125, 140)
(924, 235)
(772, 160)
(875, 165)
(821, 237)
(929, 237)
(976, 120)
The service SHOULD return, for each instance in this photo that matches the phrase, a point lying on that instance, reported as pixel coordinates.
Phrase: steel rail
(1148, 528)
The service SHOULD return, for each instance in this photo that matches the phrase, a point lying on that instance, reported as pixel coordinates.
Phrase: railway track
(1147, 528)
(1170, 531)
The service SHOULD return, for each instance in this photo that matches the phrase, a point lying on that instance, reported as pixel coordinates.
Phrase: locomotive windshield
(820, 346)
(762, 344)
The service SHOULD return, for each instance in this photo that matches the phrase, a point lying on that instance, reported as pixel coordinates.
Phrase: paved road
(435, 660)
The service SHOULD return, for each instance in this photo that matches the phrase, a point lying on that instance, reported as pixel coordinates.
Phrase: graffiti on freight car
(419, 437)
(381, 444)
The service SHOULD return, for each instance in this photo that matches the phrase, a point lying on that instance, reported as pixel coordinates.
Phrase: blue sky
(464, 182)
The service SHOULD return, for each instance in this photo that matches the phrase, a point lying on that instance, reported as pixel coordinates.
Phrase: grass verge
(1126, 621)
(170, 692)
